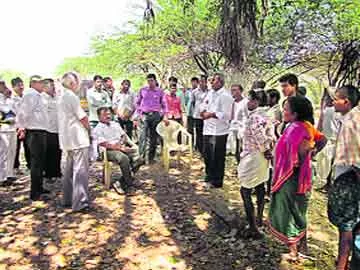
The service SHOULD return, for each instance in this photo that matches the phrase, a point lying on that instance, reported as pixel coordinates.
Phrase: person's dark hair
(259, 96)
(16, 81)
(238, 86)
(352, 94)
(290, 78)
(97, 77)
(151, 76)
(195, 79)
(48, 80)
(173, 79)
(107, 79)
(258, 85)
(302, 107)
(126, 81)
(302, 90)
(273, 93)
(203, 77)
(102, 109)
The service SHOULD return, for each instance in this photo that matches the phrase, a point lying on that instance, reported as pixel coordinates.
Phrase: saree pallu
(288, 212)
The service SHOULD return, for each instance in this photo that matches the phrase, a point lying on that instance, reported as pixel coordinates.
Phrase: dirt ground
(172, 222)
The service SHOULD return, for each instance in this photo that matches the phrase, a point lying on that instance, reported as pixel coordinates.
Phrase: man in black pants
(197, 98)
(53, 152)
(32, 116)
(216, 114)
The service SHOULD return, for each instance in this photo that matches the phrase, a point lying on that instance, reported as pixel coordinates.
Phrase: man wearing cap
(32, 120)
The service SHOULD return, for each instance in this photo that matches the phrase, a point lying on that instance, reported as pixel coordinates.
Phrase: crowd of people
(276, 144)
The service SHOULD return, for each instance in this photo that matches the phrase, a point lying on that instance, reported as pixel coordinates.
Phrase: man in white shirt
(74, 140)
(33, 118)
(328, 124)
(119, 149)
(197, 98)
(109, 87)
(97, 97)
(216, 115)
(239, 116)
(53, 152)
(124, 107)
(7, 136)
(16, 99)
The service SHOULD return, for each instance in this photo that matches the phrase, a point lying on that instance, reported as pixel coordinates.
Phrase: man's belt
(149, 113)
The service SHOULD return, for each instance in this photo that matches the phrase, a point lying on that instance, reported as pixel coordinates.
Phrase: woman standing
(292, 174)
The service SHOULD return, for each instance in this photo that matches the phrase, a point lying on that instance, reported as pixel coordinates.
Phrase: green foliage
(303, 36)
(7, 74)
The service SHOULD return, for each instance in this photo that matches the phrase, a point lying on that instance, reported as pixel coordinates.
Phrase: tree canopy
(248, 38)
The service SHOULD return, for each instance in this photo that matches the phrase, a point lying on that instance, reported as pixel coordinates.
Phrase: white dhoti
(231, 143)
(7, 151)
(325, 159)
(253, 170)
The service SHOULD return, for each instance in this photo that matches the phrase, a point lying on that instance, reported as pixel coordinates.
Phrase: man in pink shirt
(173, 104)
(151, 109)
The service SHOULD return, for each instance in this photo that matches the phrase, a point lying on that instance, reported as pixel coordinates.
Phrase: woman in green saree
(291, 184)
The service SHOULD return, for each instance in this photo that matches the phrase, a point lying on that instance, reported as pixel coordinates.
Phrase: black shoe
(45, 191)
(152, 161)
(140, 162)
(65, 205)
(39, 197)
(85, 210)
(117, 187)
(35, 198)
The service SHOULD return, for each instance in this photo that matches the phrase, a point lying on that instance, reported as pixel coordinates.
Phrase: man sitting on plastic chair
(119, 149)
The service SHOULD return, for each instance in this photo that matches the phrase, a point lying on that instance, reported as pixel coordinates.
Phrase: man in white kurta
(7, 136)
(238, 119)
(328, 124)
(74, 141)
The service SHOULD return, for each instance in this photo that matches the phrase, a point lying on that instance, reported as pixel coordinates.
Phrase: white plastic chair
(169, 135)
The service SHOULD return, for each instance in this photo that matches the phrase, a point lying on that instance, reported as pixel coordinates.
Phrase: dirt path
(172, 223)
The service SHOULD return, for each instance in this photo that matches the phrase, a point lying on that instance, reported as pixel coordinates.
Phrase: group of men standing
(48, 123)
